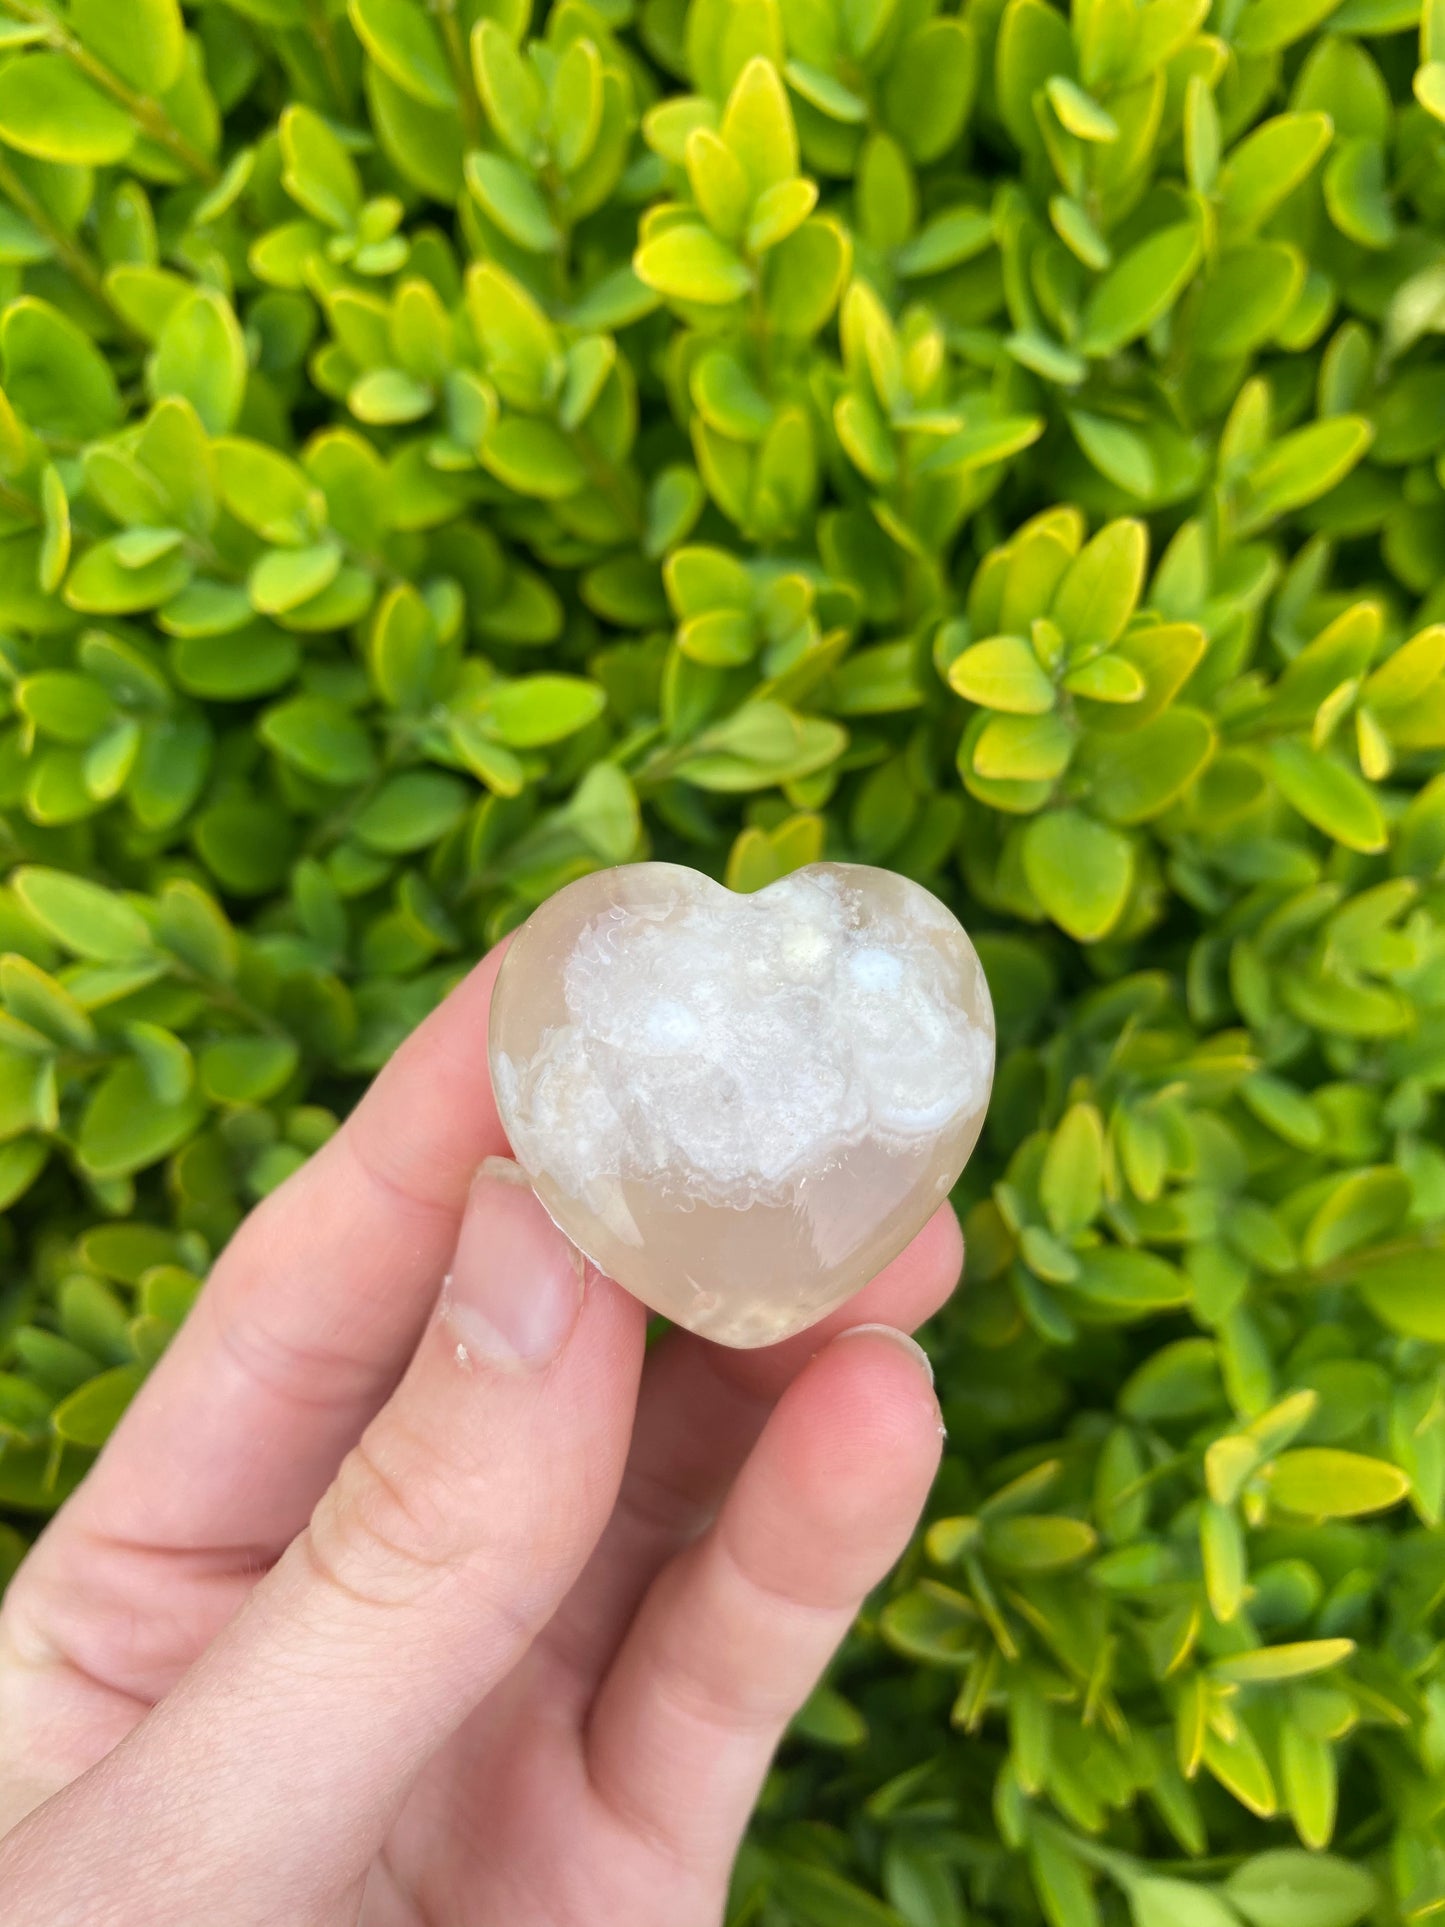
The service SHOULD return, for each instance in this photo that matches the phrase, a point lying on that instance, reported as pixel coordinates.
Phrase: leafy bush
(443, 452)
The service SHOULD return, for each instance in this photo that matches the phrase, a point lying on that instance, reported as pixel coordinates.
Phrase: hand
(387, 1609)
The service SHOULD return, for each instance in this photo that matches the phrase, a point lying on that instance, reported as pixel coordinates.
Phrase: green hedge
(442, 452)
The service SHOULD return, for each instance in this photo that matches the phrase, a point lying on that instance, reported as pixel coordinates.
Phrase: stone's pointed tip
(741, 1106)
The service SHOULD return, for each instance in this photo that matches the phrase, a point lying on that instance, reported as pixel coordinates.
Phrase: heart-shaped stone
(741, 1107)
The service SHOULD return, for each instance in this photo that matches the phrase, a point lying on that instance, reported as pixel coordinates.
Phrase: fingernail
(901, 1339)
(516, 1282)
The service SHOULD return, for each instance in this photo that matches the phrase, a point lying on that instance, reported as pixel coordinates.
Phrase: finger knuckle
(383, 1534)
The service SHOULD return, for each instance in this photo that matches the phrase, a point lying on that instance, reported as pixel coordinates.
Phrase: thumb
(452, 1532)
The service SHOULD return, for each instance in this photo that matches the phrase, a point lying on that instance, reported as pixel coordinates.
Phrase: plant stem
(1343, 1269)
(223, 997)
(17, 504)
(610, 481)
(68, 250)
(148, 116)
(446, 18)
(326, 46)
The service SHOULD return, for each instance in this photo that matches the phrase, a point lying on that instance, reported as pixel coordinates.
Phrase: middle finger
(700, 1411)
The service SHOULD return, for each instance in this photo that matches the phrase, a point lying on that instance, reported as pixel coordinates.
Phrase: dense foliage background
(444, 450)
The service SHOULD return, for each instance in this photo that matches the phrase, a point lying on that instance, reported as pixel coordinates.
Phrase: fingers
(448, 1538)
(310, 1313)
(700, 1412)
(734, 1633)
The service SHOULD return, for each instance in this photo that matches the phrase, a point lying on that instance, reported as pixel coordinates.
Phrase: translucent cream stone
(741, 1107)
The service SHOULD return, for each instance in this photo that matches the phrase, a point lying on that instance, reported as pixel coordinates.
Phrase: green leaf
(827, 1719)
(1130, 1280)
(1265, 26)
(54, 374)
(1328, 795)
(1071, 1185)
(1247, 297)
(688, 263)
(37, 999)
(805, 277)
(780, 210)
(27, 1093)
(402, 39)
(577, 99)
(512, 199)
(234, 667)
(1143, 286)
(946, 241)
(1266, 1664)
(145, 45)
(1357, 193)
(1037, 1544)
(1024, 748)
(1428, 86)
(524, 354)
(1079, 112)
(1106, 679)
(1268, 165)
(1360, 1208)
(1080, 870)
(534, 458)
(719, 183)
(319, 174)
(703, 579)
(757, 125)
(87, 920)
(1287, 1888)
(386, 397)
(201, 357)
(510, 89)
(246, 1070)
(1101, 586)
(929, 86)
(818, 1897)
(411, 811)
(284, 579)
(49, 109)
(1156, 1902)
(71, 708)
(1135, 777)
(165, 1059)
(269, 493)
(1301, 467)
(1324, 1483)
(193, 927)
(1118, 452)
(321, 738)
(1002, 673)
(605, 811)
(1034, 43)
(90, 1414)
(543, 709)
(125, 1127)
(1284, 1109)
(1404, 1293)
(1059, 1879)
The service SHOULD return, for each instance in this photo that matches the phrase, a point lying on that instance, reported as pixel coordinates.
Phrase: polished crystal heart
(741, 1107)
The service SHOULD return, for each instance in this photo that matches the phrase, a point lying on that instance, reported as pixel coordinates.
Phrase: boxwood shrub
(445, 450)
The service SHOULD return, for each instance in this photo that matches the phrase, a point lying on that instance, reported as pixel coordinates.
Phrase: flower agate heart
(741, 1107)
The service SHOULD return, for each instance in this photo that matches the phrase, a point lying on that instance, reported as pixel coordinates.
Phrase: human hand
(382, 1609)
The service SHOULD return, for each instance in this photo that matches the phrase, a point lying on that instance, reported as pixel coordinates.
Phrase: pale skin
(392, 1609)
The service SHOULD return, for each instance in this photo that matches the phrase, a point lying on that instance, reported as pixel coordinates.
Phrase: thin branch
(67, 249)
(152, 120)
